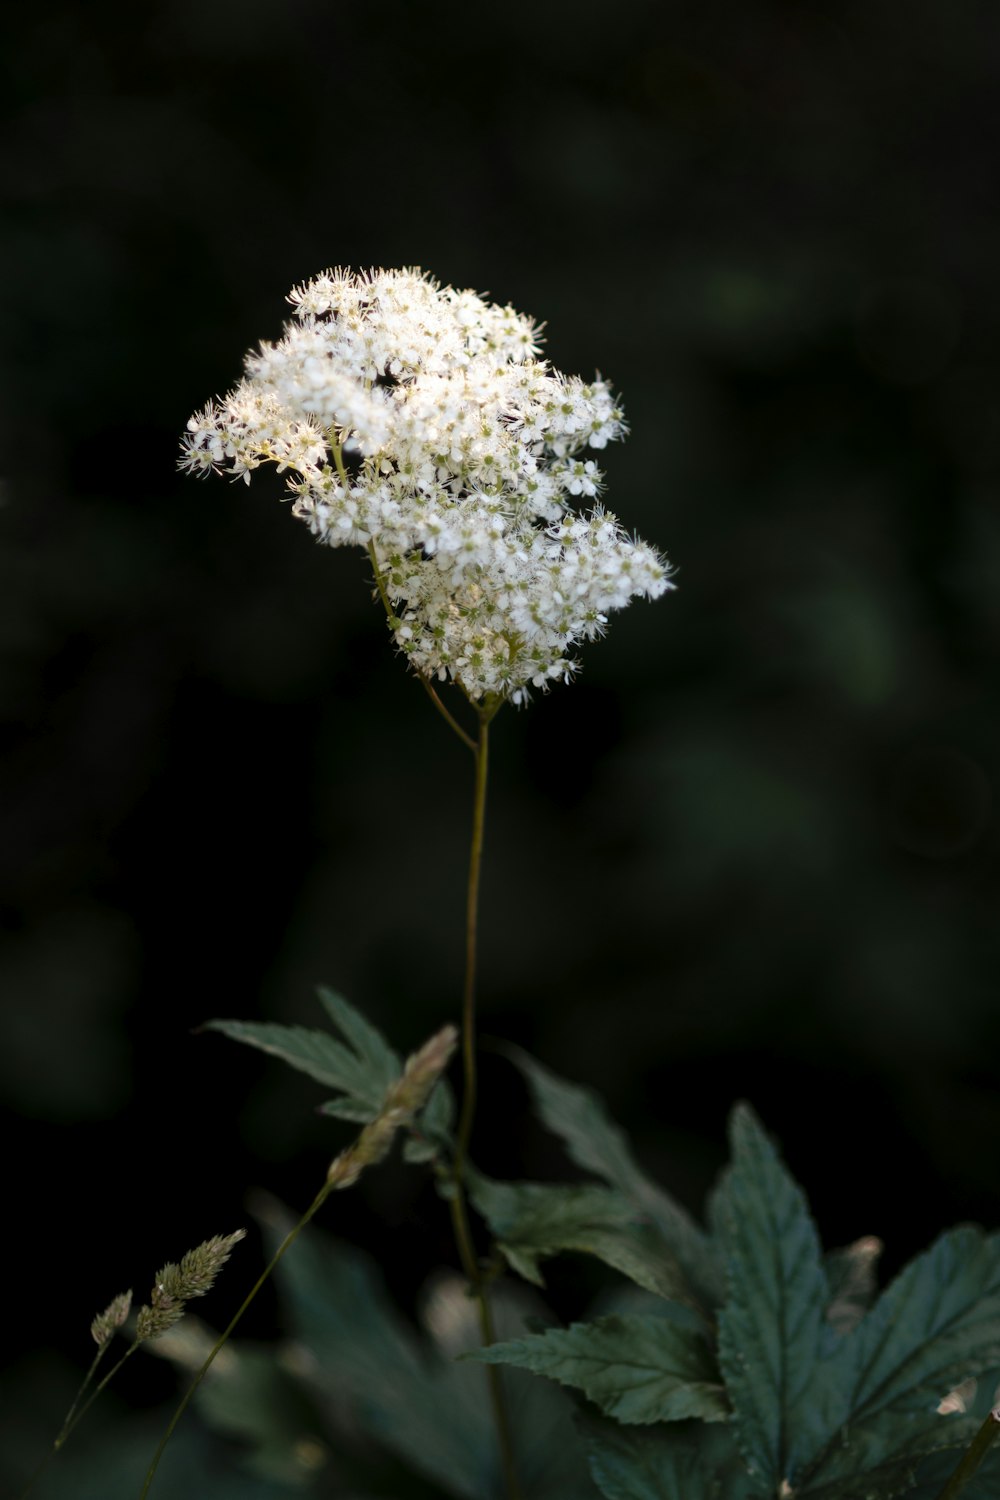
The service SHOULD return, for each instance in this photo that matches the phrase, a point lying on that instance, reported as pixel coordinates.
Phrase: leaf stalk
(973, 1456)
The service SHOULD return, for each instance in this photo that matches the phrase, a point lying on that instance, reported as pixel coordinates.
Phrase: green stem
(338, 459)
(471, 925)
(459, 1211)
(286, 1244)
(425, 681)
(71, 1420)
(77, 1412)
(68, 1419)
(973, 1456)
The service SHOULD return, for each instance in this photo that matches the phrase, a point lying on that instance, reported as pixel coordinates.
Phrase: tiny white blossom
(420, 422)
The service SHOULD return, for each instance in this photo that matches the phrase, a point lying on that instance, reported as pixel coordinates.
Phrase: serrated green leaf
(893, 1478)
(837, 1418)
(401, 1390)
(365, 1040)
(595, 1143)
(636, 1369)
(362, 1071)
(648, 1466)
(533, 1220)
(685, 1461)
(771, 1329)
(938, 1322)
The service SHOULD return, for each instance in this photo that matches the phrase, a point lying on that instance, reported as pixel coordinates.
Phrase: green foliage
(758, 1368)
(816, 1411)
(684, 1462)
(772, 1326)
(597, 1145)
(934, 1472)
(636, 1369)
(834, 1393)
(361, 1071)
(406, 1391)
(362, 1068)
(111, 1465)
(533, 1220)
(253, 1400)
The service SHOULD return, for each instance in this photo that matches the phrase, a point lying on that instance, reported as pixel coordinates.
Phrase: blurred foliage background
(751, 853)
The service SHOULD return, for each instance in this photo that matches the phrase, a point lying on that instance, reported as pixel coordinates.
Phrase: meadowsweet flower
(420, 423)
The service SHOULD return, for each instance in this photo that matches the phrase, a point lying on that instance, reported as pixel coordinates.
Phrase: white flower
(419, 421)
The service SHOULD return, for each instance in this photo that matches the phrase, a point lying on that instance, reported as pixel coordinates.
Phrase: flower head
(420, 423)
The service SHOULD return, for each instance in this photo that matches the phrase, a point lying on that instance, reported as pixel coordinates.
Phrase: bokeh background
(752, 852)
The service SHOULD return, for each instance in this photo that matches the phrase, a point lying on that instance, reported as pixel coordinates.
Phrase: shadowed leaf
(841, 1417)
(595, 1143)
(635, 1369)
(533, 1220)
(402, 1390)
(686, 1461)
(361, 1071)
(772, 1325)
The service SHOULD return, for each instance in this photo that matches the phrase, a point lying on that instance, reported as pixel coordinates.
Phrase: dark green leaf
(883, 1482)
(841, 1417)
(533, 1220)
(597, 1145)
(771, 1329)
(685, 1461)
(361, 1071)
(636, 1369)
(403, 1391)
(938, 1322)
(366, 1042)
(648, 1466)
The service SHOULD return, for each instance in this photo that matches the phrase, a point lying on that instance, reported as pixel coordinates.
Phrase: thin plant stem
(453, 723)
(425, 681)
(459, 1211)
(338, 458)
(445, 713)
(69, 1425)
(973, 1456)
(67, 1420)
(285, 1245)
(77, 1412)
(471, 932)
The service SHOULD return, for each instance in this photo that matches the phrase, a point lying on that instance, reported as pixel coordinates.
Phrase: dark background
(752, 852)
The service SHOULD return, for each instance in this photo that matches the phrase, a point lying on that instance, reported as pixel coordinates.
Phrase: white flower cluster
(418, 422)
